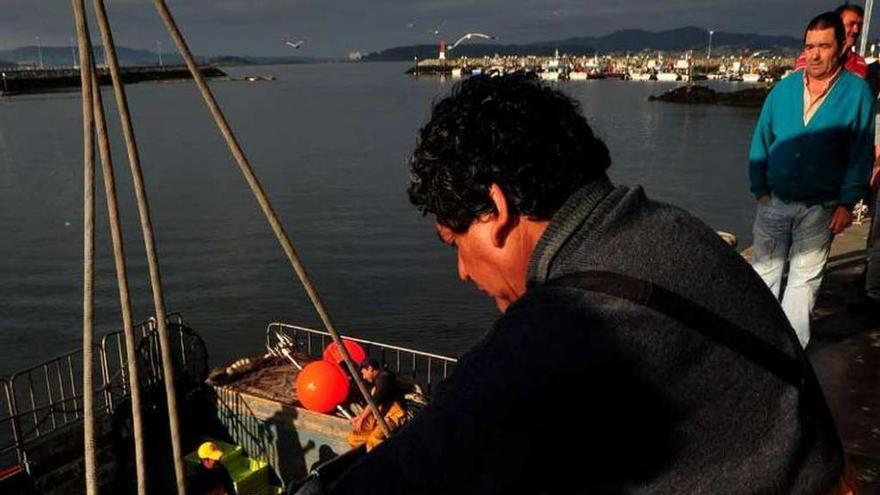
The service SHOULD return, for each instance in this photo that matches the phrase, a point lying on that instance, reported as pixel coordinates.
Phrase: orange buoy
(357, 353)
(321, 386)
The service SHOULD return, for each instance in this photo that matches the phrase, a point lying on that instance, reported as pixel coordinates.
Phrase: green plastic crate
(249, 476)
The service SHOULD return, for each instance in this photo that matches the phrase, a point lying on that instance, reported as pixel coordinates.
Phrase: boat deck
(258, 408)
(273, 379)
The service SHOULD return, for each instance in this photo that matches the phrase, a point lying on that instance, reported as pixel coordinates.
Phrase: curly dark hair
(513, 131)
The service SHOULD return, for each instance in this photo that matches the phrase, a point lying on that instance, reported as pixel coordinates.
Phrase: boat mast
(866, 28)
(111, 58)
(266, 206)
(88, 388)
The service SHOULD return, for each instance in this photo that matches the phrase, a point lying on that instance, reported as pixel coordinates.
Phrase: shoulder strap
(705, 322)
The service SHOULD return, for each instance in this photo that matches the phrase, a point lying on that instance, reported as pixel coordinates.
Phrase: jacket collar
(563, 224)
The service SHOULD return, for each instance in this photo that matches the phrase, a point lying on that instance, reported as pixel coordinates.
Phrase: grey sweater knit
(579, 392)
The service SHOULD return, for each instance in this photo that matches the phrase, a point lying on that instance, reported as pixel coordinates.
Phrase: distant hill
(64, 56)
(408, 53)
(628, 40)
(686, 38)
(249, 60)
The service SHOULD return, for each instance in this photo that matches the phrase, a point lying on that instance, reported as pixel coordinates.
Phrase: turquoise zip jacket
(826, 161)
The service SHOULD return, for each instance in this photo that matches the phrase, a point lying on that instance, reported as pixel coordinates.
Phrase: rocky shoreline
(703, 95)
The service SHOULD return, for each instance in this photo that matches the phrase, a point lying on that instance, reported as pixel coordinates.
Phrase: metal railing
(113, 357)
(42, 399)
(47, 397)
(424, 368)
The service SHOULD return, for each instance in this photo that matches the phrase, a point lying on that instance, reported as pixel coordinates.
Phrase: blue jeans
(799, 233)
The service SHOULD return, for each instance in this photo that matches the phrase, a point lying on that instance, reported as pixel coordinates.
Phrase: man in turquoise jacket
(810, 162)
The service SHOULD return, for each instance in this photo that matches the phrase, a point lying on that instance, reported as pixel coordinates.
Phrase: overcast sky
(338, 27)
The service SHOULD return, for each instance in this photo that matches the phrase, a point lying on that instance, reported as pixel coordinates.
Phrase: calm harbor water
(330, 144)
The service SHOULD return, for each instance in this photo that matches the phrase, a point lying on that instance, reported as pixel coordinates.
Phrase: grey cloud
(334, 27)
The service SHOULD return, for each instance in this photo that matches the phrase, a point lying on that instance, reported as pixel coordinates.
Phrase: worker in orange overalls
(388, 398)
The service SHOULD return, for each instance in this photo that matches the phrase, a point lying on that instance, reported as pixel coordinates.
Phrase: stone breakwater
(16, 81)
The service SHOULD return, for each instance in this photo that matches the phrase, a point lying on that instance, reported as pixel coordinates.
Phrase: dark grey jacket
(579, 392)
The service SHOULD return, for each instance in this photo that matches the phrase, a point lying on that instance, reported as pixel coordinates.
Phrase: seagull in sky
(436, 32)
(469, 36)
(294, 44)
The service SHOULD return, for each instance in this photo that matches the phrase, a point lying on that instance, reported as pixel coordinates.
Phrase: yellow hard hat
(210, 450)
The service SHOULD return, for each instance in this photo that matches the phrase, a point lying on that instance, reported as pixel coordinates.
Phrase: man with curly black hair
(636, 352)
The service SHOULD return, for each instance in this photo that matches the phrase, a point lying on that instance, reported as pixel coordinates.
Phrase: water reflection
(330, 143)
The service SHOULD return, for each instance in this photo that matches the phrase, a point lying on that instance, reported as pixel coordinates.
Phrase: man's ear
(505, 220)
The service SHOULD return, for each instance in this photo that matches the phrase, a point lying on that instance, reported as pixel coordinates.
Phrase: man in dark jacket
(636, 352)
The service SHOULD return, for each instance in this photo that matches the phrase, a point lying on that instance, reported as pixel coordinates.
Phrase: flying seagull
(469, 36)
(436, 32)
(294, 44)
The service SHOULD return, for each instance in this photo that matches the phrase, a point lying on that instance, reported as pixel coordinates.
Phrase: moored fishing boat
(668, 76)
(251, 404)
(641, 76)
(578, 75)
(257, 403)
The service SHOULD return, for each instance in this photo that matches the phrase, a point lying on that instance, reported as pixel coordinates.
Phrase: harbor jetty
(21, 81)
(653, 66)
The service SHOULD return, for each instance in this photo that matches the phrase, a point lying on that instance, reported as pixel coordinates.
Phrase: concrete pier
(845, 352)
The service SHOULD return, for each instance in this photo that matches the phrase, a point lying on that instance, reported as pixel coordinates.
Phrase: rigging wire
(121, 278)
(150, 248)
(266, 206)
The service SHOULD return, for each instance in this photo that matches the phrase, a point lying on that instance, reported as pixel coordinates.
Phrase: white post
(866, 27)
(40, 51)
(709, 54)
